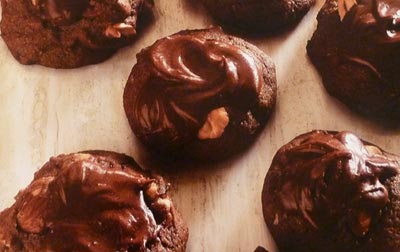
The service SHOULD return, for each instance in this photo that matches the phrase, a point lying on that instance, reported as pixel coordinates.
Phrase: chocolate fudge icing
(193, 76)
(330, 174)
(200, 94)
(327, 180)
(378, 20)
(356, 49)
(92, 201)
(377, 23)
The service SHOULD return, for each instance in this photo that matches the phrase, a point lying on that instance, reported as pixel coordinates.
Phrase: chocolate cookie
(331, 191)
(93, 201)
(200, 94)
(356, 49)
(260, 249)
(73, 33)
(258, 15)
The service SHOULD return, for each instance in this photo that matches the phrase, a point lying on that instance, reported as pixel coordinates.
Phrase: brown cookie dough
(94, 201)
(200, 94)
(331, 191)
(255, 16)
(70, 33)
(356, 50)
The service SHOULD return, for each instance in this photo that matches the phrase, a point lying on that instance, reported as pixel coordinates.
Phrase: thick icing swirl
(331, 177)
(190, 77)
(90, 203)
(378, 20)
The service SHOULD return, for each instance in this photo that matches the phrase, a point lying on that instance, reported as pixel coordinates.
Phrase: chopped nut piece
(117, 30)
(152, 190)
(111, 32)
(125, 29)
(165, 203)
(40, 186)
(344, 6)
(373, 149)
(216, 122)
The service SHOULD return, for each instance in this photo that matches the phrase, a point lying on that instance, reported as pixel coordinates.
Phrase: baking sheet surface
(45, 112)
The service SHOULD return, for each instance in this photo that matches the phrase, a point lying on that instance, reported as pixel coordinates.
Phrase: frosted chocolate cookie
(331, 191)
(200, 94)
(93, 201)
(257, 16)
(73, 33)
(356, 50)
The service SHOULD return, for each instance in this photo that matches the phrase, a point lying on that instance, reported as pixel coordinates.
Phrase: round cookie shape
(356, 50)
(200, 94)
(95, 201)
(257, 16)
(331, 191)
(70, 34)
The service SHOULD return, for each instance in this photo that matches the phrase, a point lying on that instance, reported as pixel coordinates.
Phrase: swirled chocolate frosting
(195, 88)
(93, 201)
(326, 176)
(193, 77)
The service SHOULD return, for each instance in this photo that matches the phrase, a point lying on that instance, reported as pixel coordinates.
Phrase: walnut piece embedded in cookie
(200, 94)
(96, 201)
(216, 122)
(73, 33)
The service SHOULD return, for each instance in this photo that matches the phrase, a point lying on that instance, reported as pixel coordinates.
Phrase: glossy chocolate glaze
(330, 176)
(191, 77)
(92, 202)
(372, 39)
(356, 50)
(378, 20)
